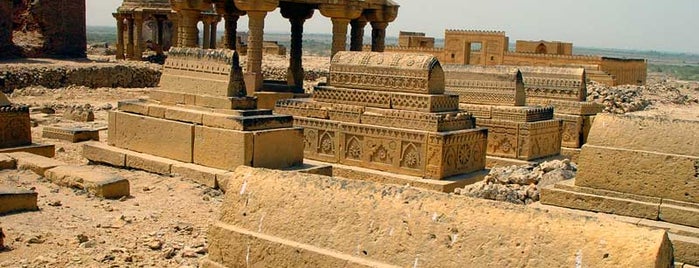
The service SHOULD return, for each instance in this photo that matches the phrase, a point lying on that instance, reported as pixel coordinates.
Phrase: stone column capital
(296, 11)
(385, 14)
(257, 5)
(199, 5)
(349, 11)
(379, 25)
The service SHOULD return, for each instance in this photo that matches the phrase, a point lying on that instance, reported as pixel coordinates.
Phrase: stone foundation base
(71, 134)
(446, 185)
(211, 177)
(47, 150)
(571, 153)
(267, 100)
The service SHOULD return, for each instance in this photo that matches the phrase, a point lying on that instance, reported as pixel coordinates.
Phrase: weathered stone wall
(108, 75)
(544, 47)
(288, 219)
(50, 28)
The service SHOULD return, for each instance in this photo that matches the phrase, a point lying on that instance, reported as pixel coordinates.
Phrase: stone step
(13, 199)
(243, 120)
(99, 183)
(7, 162)
(208, 176)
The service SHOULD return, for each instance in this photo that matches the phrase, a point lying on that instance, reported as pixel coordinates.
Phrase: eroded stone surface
(340, 222)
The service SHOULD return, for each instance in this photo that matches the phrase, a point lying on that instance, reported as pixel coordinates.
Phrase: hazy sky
(670, 25)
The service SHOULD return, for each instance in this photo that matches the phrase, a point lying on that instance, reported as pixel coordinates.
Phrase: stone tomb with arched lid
(387, 112)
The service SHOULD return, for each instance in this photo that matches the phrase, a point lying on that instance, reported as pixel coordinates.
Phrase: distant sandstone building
(492, 48)
(39, 28)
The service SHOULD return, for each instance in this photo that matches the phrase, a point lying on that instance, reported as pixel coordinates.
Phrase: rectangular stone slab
(36, 163)
(639, 172)
(89, 179)
(336, 222)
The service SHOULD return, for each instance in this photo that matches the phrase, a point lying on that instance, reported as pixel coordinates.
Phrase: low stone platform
(86, 178)
(71, 134)
(446, 185)
(346, 223)
(13, 199)
(210, 177)
(685, 239)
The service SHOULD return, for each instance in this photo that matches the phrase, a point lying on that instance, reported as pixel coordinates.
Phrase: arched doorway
(541, 49)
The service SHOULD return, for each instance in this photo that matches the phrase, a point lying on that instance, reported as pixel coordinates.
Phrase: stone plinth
(649, 163)
(565, 89)
(15, 130)
(495, 96)
(387, 112)
(210, 124)
(347, 223)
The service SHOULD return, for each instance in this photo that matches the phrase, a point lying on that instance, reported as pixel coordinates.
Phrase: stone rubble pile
(630, 98)
(520, 184)
(93, 76)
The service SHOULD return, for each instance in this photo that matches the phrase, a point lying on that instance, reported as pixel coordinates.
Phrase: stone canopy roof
(137, 5)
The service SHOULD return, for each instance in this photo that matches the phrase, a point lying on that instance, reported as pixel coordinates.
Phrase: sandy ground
(163, 223)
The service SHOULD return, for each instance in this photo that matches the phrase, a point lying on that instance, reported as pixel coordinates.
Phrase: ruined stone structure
(357, 13)
(208, 126)
(49, 28)
(16, 131)
(544, 47)
(492, 48)
(273, 48)
(336, 222)
(388, 112)
(641, 167)
(566, 90)
(413, 39)
(139, 21)
(495, 96)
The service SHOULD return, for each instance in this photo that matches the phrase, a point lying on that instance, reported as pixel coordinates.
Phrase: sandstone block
(46, 150)
(133, 106)
(183, 115)
(79, 114)
(686, 249)
(368, 98)
(424, 103)
(138, 133)
(267, 100)
(149, 163)
(15, 128)
(36, 163)
(639, 172)
(98, 152)
(88, 178)
(247, 123)
(223, 149)
(680, 212)
(289, 151)
(111, 130)
(13, 199)
(200, 174)
(355, 215)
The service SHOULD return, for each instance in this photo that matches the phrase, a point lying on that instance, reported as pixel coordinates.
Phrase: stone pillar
(188, 32)
(339, 35)
(138, 40)
(357, 34)
(159, 36)
(231, 31)
(213, 34)
(297, 15)
(206, 43)
(120, 37)
(256, 24)
(175, 29)
(378, 36)
(130, 45)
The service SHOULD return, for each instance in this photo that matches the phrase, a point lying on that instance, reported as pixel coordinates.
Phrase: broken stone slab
(36, 163)
(79, 114)
(7, 162)
(71, 134)
(89, 179)
(336, 222)
(13, 199)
